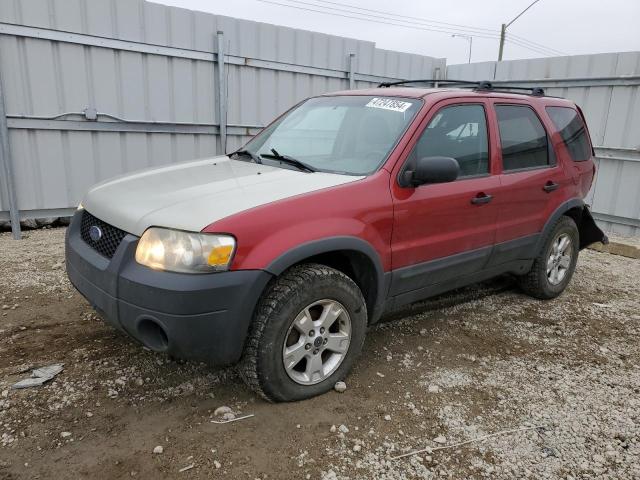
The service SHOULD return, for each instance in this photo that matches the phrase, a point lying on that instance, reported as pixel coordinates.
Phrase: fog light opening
(152, 335)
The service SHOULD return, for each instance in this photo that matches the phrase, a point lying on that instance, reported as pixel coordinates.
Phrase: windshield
(344, 134)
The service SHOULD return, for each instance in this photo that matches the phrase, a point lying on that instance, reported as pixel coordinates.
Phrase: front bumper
(201, 317)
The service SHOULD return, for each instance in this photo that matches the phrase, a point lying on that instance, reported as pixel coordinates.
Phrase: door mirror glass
(432, 170)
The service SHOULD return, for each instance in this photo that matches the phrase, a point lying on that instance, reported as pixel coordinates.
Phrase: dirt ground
(479, 361)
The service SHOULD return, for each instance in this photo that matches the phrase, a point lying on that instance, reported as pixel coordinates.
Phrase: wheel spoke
(314, 368)
(330, 314)
(338, 342)
(550, 264)
(303, 323)
(563, 243)
(294, 354)
(561, 274)
(565, 261)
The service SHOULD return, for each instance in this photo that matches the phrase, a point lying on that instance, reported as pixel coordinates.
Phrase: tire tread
(531, 283)
(281, 290)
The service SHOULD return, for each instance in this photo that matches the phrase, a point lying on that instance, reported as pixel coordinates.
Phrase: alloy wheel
(559, 259)
(317, 342)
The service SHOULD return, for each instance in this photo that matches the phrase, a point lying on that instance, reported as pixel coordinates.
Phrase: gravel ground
(479, 361)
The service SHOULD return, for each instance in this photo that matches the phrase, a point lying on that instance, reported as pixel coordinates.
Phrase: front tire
(554, 266)
(308, 330)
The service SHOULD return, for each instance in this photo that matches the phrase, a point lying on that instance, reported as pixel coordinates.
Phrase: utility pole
(503, 30)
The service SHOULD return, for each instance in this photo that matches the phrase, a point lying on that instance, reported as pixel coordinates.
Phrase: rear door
(532, 183)
(443, 231)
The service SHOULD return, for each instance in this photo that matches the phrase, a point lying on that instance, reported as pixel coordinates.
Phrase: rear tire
(308, 330)
(554, 266)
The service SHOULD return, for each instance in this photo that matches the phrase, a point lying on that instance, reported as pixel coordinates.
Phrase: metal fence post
(222, 94)
(352, 71)
(6, 170)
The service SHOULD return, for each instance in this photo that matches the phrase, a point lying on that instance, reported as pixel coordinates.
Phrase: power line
(529, 47)
(558, 52)
(520, 41)
(427, 22)
(469, 27)
(366, 18)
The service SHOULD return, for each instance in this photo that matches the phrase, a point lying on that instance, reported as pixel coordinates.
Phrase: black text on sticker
(388, 104)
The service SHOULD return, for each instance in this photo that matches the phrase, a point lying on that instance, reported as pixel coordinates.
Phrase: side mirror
(432, 170)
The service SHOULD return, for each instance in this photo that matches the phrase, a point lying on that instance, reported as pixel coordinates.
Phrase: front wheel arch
(352, 256)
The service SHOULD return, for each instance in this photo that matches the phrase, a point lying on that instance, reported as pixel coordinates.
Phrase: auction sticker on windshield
(388, 104)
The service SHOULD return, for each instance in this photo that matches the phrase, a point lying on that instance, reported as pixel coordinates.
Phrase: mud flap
(589, 231)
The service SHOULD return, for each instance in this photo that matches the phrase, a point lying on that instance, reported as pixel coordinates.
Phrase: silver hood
(191, 195)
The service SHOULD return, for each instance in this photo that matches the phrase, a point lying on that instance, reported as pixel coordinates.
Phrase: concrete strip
(618, 247)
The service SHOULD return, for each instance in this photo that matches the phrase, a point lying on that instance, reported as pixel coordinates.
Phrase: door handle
(481, 199)
(550, 186)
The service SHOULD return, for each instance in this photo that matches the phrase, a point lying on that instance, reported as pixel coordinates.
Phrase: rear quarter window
(573, 132)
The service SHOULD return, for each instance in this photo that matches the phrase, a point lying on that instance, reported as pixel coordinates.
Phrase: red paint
(412, 225)
(360, 209)
(434, 221)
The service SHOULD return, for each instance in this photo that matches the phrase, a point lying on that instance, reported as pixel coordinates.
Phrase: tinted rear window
(522, 137)
(572, 131)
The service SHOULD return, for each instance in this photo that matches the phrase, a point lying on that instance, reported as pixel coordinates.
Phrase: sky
(570, 27)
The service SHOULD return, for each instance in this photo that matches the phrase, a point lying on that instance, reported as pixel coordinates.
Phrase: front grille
(108, 242)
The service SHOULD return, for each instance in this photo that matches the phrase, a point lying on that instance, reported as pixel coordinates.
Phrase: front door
(447, 230)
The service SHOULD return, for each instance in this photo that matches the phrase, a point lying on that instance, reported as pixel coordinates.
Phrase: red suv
(280, 255)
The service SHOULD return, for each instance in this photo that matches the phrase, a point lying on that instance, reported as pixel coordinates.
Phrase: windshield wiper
(289, 160)
(254, 156)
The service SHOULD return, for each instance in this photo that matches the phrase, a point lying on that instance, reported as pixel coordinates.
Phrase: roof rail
(484, 85)
(428, 80)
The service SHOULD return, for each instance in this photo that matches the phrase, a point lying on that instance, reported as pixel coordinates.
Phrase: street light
(503, 30)
(466, 37)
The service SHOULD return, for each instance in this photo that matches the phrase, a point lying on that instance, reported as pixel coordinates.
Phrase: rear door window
(522, 137)
(573, 132)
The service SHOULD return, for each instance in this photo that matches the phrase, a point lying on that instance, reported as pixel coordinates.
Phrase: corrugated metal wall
(607, 88)
(150, 72)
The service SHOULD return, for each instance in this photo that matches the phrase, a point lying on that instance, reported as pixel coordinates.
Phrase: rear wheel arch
(579, 212)
(352, 256)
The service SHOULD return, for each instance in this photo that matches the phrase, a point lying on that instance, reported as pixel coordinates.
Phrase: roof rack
(484, 85)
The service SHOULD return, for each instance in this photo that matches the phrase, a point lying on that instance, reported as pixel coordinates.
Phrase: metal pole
(503, 31)
(352, 73)
(468, 38)
(222, 94)
(6, 170)
(521, 13)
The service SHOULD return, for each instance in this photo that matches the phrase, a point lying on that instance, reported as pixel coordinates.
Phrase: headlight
(177, 251)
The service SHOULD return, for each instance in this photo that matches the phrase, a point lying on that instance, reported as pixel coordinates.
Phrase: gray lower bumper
(202, 317)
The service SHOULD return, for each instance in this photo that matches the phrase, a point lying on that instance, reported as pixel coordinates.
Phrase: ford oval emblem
(95, 233)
